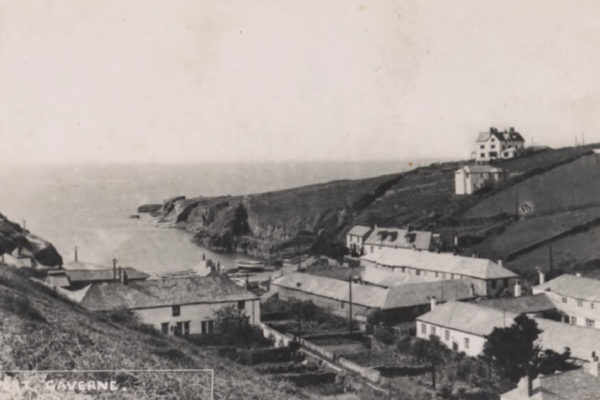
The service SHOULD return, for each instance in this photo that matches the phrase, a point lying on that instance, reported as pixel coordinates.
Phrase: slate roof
(407, 295)
(376, 276)
(484, 136)
(468, 317)
(90, 275)
(441, 262)
(359, 230)
(577, 287)
(523, 304)
(502, 136)
(569, 385)
(402, 238)
(152, 293)
(558, 335)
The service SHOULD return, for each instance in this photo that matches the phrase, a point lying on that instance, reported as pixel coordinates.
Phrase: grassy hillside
(315, 218)
(40, 331)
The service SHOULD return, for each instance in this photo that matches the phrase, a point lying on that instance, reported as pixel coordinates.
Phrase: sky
(183, 81)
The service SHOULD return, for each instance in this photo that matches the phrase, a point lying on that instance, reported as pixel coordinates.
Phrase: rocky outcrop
(13, 236)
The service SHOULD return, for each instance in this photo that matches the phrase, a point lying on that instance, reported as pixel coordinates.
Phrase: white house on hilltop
(471, 178)
(495, 145)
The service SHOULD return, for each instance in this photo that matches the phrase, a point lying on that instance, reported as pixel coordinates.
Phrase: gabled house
(400, 303)
(355, 238)
(179, 306)
(494, 145)
(575, 296)
(399, 238)
(471, 178)
(487, 277)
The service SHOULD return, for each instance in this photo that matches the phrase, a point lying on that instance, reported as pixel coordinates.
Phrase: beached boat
(250, 265)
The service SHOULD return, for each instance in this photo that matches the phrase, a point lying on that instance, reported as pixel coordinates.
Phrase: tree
(234, 328)
(514, 352)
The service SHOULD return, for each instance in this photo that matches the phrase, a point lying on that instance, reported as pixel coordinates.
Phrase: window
(372, 249)
(241, 305)
(579, 303)
(591, 305)
(423, 328)
(482, 146)
(417, 272)
(176, 310)
(493, 146)
(590, 323)
(186, 328)
(493, 154)
(447, 334)
(494, 285)
(433, 330)
(564, 300)
(505, 283)
(342, 304)
(403, 269)
(482, 155)
(466, 343)
(436, 274)
(573, 320)
(207, 327)
(164, 328)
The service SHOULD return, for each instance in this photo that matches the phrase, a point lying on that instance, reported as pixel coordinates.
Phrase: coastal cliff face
(316, 218)
(12, 236)
(274, 224)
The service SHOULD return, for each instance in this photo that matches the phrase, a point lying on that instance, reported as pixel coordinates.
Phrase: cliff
(12, 237)
(315, 218)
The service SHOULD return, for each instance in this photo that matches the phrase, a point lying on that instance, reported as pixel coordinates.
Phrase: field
(566, 187)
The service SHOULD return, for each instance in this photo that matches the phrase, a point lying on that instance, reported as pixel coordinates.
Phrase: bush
(384, 335)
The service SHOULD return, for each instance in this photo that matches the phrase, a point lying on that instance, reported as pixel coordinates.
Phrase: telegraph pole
(350, 301)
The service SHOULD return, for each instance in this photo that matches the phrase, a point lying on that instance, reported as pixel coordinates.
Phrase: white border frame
(38, 371)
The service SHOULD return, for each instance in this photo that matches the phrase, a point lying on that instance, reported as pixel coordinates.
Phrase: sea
(90, 206)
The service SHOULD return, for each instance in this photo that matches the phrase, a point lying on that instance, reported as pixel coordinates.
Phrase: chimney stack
(518, 289)
(542, 276)
(433, 302)
(500, 263)
(114, 269)
(75, 255)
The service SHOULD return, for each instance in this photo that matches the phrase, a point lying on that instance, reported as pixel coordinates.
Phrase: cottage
(487, 277)
(575, 296)
(462, 326)
(400, 303)
(495, 145)
(471, 178)
(397, 238)
(179, 306)
(355, 239)
(581, 384)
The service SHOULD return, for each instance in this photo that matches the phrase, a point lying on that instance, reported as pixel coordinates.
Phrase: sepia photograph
(299, 199)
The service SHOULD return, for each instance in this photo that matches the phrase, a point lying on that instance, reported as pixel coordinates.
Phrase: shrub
(384, 335)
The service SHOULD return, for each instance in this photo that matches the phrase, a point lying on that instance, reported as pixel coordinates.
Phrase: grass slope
(40, 331)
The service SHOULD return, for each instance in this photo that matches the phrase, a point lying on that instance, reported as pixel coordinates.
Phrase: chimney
(542, 276)
(518, 289)
(500, 263)
(578, 274)
(433, 302)
(75, 255)
(114, 269)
